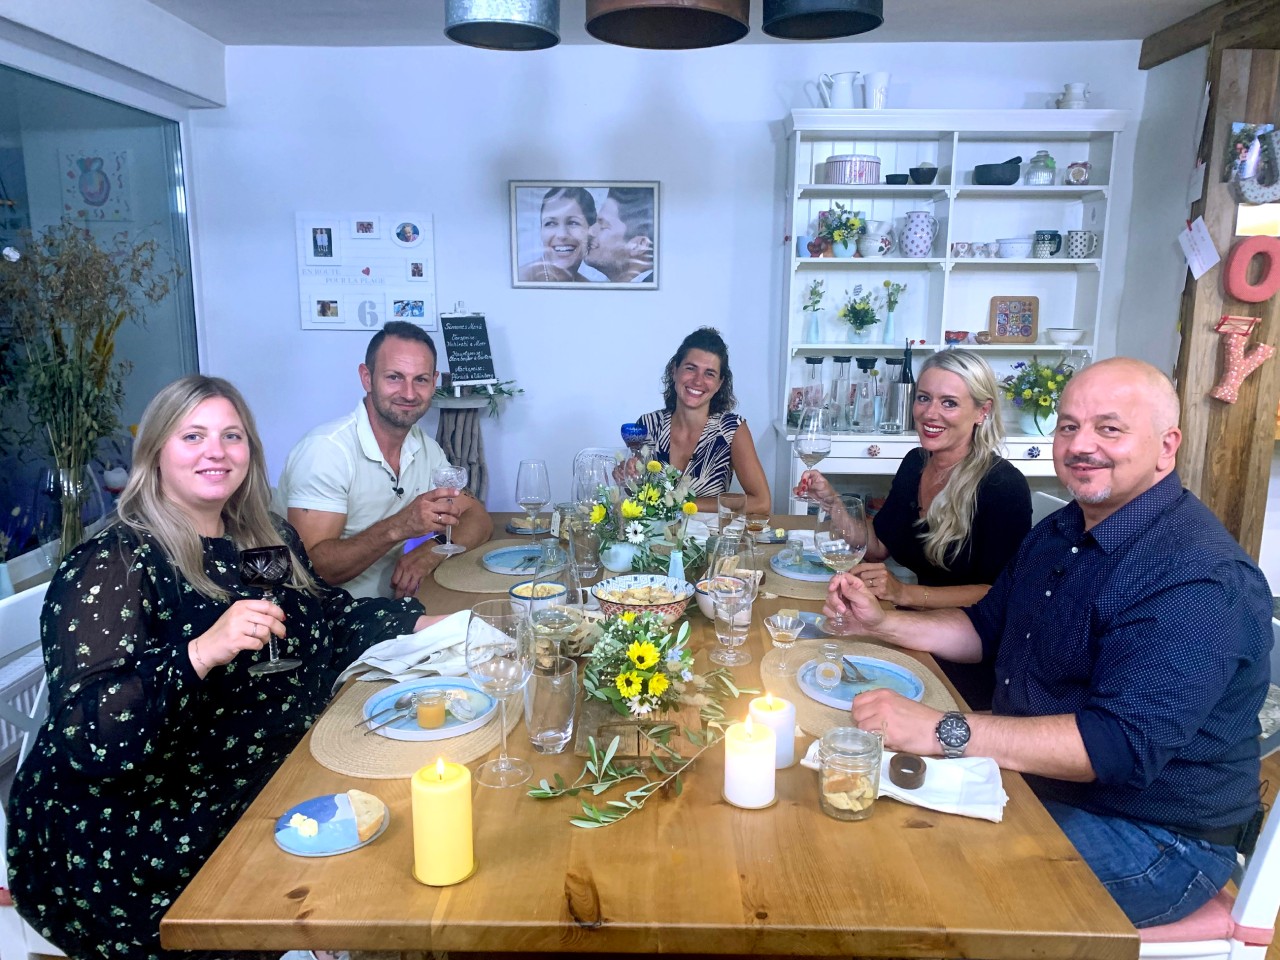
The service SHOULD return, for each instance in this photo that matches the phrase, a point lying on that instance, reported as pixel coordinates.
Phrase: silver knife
(398, 716)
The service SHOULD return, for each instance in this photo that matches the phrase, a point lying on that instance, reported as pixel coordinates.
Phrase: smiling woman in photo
(566, 217)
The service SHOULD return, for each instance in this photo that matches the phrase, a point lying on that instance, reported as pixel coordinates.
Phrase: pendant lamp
(821, 19)
(667, 24)
(503, 24)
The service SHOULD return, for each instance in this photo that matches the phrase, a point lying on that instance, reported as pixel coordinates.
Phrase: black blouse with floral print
(143, 767)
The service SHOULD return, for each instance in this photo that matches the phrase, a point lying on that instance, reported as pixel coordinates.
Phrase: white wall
(444, 128)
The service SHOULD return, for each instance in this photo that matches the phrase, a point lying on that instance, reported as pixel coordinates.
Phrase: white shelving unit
(944, 292)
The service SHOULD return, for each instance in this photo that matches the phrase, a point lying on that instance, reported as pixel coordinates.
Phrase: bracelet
(195, 649)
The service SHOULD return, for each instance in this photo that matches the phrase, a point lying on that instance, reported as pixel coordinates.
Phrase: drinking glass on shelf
(499, 654)
(813, 437)
(449, 476)
(533, 488)
(841, 540)
(732, 570)
(268, 568)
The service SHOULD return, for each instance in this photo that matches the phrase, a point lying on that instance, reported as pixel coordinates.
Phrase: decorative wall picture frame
(1014, 319)
(351, 279)
(585, 234)
(366, 226)
(97, 185)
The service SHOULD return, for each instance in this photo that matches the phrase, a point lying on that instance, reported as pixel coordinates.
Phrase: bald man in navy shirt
(1131, 637)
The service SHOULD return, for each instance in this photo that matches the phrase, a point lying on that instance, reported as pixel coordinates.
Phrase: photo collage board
(356, 271)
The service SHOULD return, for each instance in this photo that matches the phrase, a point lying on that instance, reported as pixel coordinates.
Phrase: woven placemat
(340, 745)
(466, 574)
(816, 718)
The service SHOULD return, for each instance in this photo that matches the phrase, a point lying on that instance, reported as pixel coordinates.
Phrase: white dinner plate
(881, 673)
(406, 728)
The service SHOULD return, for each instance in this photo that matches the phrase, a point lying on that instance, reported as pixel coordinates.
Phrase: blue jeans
(1155, 876)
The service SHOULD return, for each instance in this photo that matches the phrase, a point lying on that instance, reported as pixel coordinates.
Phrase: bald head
(1117, 434)
(1155, 389)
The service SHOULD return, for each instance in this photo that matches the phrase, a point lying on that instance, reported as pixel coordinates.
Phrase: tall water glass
(499, 654)
(732, 571)
(550, 700)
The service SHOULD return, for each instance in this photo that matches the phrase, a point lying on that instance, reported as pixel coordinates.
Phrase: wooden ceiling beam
(1227, 24)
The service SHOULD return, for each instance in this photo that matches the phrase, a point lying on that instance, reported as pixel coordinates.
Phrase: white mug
(876, 90)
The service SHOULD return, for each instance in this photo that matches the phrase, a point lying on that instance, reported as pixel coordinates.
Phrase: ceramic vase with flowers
(1035, 388)
(860, 312)
(840, 227)
(892, 294)
(66, 296)
(648, 523)
(812, 305)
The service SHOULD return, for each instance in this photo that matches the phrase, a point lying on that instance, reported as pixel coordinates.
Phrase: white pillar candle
(749, 750)
(778, 715)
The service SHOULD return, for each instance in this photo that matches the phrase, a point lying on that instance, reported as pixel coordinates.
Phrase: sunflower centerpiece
(640, 531)
(639, 665)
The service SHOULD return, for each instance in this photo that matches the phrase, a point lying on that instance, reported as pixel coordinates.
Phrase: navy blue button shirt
(1154, 630)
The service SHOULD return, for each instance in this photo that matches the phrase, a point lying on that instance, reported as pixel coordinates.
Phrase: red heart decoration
(365, 271)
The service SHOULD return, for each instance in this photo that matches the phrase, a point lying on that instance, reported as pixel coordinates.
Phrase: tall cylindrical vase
(889, 336)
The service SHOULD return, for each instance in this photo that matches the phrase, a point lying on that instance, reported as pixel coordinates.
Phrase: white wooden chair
(1227, 927)
(1043, 504)
(19, 637)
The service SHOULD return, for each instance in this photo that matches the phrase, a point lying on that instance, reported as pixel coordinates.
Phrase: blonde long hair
(145, 509)
(950, 515)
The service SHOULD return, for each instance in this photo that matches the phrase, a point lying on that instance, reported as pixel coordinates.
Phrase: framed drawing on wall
(1014, 319)
(581, 234)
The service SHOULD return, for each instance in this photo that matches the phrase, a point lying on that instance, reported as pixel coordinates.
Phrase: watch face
(953, 731)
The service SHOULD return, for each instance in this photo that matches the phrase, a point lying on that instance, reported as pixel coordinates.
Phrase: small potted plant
(1035, 389)
(812, 304)
(860, 312)
(841, 227)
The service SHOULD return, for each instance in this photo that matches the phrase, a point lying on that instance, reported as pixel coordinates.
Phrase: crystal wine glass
(813, 437)
(533, 489)
(841, 540)
(268, 568)
(635, 437)
(449, 476)
(499, 654)
(733, 589)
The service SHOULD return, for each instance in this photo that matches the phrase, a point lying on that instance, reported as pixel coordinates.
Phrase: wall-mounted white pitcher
(836, 89)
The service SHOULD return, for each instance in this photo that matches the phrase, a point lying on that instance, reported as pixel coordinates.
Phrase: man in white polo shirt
(357, 488)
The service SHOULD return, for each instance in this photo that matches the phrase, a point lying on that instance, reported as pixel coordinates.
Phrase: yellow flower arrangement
(639, 665)
(1037, 386)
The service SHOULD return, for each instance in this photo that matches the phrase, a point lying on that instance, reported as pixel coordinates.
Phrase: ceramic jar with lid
(1041, 171)
(1077, 174)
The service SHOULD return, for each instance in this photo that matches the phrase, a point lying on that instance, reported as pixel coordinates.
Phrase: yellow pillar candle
(778, 715)
(442, 842)
(749, 752)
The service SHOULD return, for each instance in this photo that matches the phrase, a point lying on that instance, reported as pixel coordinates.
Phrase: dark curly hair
(707, 339)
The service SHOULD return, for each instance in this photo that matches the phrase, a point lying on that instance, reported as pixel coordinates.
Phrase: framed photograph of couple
(580, 234)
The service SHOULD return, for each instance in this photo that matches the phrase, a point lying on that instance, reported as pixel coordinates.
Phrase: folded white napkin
(967, 786)
(438, 650)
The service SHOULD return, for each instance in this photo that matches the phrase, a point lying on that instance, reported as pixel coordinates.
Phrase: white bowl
(527, 605)
(1064, 336)
(1015, 247)
(707, 603)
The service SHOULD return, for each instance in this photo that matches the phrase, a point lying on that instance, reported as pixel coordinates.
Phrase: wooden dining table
(687, 874)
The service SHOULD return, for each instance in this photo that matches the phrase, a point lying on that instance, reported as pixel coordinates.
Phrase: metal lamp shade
(667, 24)
(821, 19)
(503, 24)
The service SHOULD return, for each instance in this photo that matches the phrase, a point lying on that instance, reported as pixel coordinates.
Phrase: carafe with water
(862, 414)
(839, 402)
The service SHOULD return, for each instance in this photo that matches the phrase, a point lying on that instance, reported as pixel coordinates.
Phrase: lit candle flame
(440, 768)
(768, 701)
(747, 728)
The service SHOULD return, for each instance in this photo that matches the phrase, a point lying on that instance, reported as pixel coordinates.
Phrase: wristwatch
(952, 732)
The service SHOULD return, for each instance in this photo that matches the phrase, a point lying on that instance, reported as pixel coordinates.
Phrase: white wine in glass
(533, 489)
(456, 477)
(841, 539)
(813, 436)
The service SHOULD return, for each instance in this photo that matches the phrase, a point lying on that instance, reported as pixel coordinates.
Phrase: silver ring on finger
(255, 629)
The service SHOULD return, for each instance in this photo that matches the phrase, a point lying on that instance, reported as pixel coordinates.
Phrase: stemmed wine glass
(733, 589)
(635, 437)
(533, 489)
(499, 653)
(449, 476)
(813, 438)
(841, 540)
(268, 568)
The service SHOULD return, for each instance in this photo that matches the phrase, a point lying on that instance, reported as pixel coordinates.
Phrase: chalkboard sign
(466, 345)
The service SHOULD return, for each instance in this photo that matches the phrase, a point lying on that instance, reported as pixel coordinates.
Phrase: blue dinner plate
(881, 673)
(521, 561)
(335, 827)
(815, 626)
(810, 568)
(527, 531)
(406, 727)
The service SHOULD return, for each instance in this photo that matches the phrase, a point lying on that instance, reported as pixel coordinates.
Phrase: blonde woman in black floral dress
(158, 736)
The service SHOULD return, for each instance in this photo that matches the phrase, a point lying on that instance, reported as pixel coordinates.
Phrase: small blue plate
(810, 569)
(770, 535)
(883, 675)
(519, 561)
(815, 626)
(336, 823)
(525, 531)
